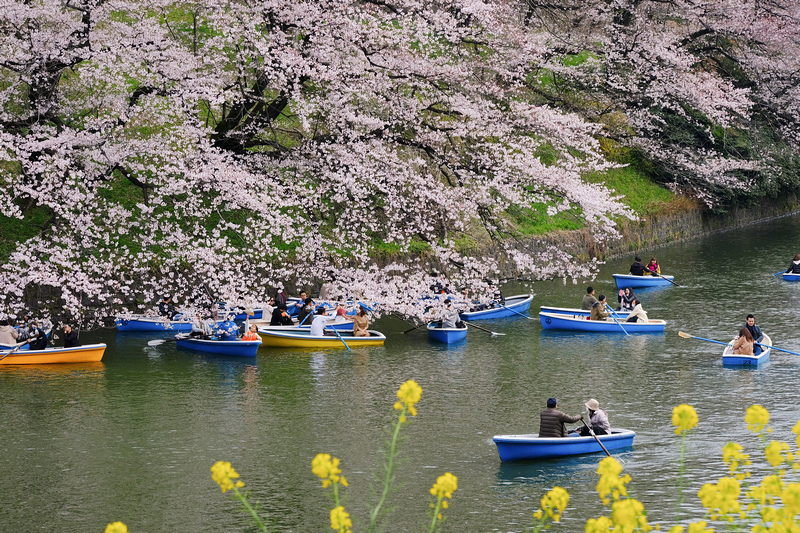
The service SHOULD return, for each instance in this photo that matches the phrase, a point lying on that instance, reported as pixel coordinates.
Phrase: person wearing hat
(551, 420)
(597, 418)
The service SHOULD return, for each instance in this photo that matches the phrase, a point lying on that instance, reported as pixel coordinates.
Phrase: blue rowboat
(582, 323)
(530, 446)
(236, 348)
(640, 282)
(446, 335)
(788, 276)
(514, 306)
(154, 323)
(730, 358)
(575, 311)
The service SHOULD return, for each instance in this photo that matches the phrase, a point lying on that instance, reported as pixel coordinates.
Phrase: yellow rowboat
(293, 337)
(89, 353)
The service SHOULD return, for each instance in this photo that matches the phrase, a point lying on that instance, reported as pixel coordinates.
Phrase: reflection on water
(133, 438)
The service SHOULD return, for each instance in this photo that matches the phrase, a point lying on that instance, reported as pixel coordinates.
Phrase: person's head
(362, 311)
(282, 306)
(551, 402)
(601, 298)
(308, 301)
(447, 302)
(796, 257)
(4, 322)
(637, 259)
(67, 328)
(751, 320)
(637, 301)
(592, 405)
(303, 295)
(628, 291)
(589, 290)
(320, 310)
(744, 332)
(653, 261)
(253, 328)
(271, 301)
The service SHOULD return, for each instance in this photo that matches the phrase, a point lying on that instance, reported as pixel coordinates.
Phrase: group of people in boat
(600, 310)
(640, 269)
(34, 333)
(552, 421)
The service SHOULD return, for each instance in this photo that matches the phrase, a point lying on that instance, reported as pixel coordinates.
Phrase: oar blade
(156, 342)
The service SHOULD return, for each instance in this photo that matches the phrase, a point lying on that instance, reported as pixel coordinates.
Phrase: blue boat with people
(642, 282)
(732, 359)
(531, 446)
(790, 276)
(446, 335)
(233, 348)
(622, 315)
(574, 322)
(513, 306)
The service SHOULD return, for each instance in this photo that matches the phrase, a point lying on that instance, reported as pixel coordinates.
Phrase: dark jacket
(755, 331)
(794, 268)
(38, 341)
(71, 339)
(552, 420)
(626, 301)
(279, 320)
(637, 268)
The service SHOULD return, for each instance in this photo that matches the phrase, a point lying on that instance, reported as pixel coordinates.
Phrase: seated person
(599, 309)
(637, 268)
(166, 308)
(626, 299)
(743, 344)
(320, 321)
(551, 420)
(598, 420)
(280, 317)
(637, 314)
(588, 300)
(252, 334)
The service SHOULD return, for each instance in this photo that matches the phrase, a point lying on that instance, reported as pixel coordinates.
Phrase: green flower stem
(373, 516)
(680, 476)
(435, 514)
(335, 494)
(250, 509)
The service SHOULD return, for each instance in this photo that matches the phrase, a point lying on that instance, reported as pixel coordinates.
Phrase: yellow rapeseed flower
(699, 527)
(676, 529)
(409, 394)
(757, 417)
(791, 499)
(628, 515)
(733, 456)
(599, 525)
(722, 498)
(445, 485)
(773, 452)
(116, 527)
(610, 481)
(223, 473)
(327, 469)
(684, 418)
(340, 520)
(553, 504)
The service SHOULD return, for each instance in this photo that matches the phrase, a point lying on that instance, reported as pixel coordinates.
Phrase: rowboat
(341, 324)
(46, 330)
(730, 358)
(575, 311)
(293, 337)
(530, 446)
(639, 282)
(788, 276)
(513, 306)
(609, 325)
(154, 323)
(236, 348)
(89, 353)
(446, 335)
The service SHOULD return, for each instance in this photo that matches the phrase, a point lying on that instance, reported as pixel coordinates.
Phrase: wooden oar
(660, 276)
(14, 349)
(157, 342)
(494, 333)
(595, 437)
(615, 319)
(520, 314)
(338, 335)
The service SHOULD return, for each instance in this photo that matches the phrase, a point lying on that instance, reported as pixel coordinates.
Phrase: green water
(133, 438)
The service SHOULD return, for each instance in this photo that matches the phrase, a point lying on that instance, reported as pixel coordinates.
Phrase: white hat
(593, 405)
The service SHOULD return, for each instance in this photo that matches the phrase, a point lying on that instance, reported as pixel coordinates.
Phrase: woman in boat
(252, 334)
(626, 299)
(743, 344)
(652, 267)
(280, 317)
(360, 323)
(8, 335)
(598, 420)
(637, 314)
(306, 310)
(599, 309)
(794, 267)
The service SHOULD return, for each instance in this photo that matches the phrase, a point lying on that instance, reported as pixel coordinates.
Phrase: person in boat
(340, 310)
(625, 297)
(637, 314)
(652, 268)
(70, 337)
(498, 298)
(269, 308)
(551, 420)
(8, 334)
(201, 328)
(306, 310)
(589, 299)
(280, 296)
(743, 343)
(360, 322)
(252, 334)
(599, 309)
(598, 420)
(755, 331)
(794, 267)
(167, 308)
(227, 330)
(449, 315)
(280, 317)
(440, 284)
(320, 321)
(38, 339)
(637, 268)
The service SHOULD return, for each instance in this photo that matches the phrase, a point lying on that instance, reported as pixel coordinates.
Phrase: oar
(520, 314)
(687, 336)
(14, 349)
(595, 437)
(494, 333)
(660, 276)
(411, 329)
(615, 319)
(338, 335)
(775, 348)
(157, 342)
(781, 272)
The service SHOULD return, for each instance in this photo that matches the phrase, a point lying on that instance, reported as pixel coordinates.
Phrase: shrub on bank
(735, 502)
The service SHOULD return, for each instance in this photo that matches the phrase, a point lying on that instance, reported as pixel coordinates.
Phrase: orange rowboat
(80, 354)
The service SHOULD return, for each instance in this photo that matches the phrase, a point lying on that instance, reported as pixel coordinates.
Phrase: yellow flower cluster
(732, 455)
(553, 504)
(610, 480)
(722, 499)
(697, 527)
(684, 418)
(223, 473)
(409, 394)
(756, 418)
(327, 469)
(116, 527)
(340, 520)
(444, 487)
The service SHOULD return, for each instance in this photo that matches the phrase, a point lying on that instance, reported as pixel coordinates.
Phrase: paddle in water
(517, 312)
(157, 342)
(595, 437)
(339, 335)
(660, 276)
(615, 318)
(494, 333)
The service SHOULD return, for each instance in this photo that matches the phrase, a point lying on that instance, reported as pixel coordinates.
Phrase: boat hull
(732, 359)
(519, 447)
(520, 303)
(575, 311)
(788, 276)
(91, 353)
(446, 335)
(231, 348)
(581, 323)
(293, 337)
(640, 282)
